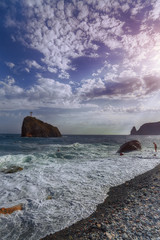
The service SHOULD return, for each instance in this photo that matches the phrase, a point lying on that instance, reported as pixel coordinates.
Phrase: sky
(87, 67)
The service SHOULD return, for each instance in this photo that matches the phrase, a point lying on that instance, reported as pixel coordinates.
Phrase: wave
(58, 188)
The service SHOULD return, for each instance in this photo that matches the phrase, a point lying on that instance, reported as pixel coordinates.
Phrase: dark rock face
(147, 129)
(133, 131)
(33, 127)
(133, 145)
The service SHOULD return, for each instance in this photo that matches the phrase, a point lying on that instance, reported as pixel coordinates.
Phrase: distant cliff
(147, 129)
(33, 127)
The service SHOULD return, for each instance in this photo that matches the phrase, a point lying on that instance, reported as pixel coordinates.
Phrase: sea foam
(75, 175)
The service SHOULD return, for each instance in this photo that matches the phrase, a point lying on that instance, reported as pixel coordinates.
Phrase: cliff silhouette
(152, 128)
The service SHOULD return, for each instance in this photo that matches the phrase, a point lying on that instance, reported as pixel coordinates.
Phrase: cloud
(10, 64)
(125, 86)
(52, 70)
(96, 88)
(63, 31)
(32, 64)
(27, 70)
(155, 12)
(9, 91)
(64, 75)
(138, 108)
(50, 91)
(152, 84)
(45, 93)
(126, 73)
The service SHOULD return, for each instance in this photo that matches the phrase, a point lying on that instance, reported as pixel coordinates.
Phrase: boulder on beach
(133, 145)
(152, 128)
(33, 127)
(12, 169)
(10, 209)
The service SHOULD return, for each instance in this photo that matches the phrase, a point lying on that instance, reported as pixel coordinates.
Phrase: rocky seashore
(33, 127)
(131, 212)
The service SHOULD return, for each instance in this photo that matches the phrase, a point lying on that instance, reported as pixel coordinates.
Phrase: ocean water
(75, 171)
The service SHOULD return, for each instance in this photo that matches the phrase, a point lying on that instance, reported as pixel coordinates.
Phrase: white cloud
(60, 36)
(45, 93)
(32, 64)
(127, 73)
(49, 90)
(64, 75)
(9, 91)
(155, 12)
(83, 8)
(10, 64)
(53, 28)
(63, 31)
(27, 70)
(10, 80)
(52, 70)
(88, 86)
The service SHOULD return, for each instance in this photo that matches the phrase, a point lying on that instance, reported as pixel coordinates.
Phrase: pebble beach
(131, 211)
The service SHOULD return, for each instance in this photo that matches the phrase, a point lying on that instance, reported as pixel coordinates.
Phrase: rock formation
(33, 127)
(133, 131)
(147, 129)
(133, 145)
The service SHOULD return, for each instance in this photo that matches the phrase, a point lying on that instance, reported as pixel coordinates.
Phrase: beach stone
(104, 227)
(12, 169)
(94, 226)
(133, 145)
(125, 236)
(49, 197)
(11, 209)
(98, 225)
(108, 235)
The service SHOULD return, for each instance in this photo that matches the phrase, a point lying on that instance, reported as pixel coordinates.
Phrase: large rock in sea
(33, 127)
(147, 129)
(133, 145)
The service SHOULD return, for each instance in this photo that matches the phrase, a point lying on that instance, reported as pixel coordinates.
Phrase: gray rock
(104, 227)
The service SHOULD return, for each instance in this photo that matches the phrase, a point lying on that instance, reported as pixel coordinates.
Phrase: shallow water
(75, 171)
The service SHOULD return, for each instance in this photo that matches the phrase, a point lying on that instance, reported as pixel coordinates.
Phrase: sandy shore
(131, 211)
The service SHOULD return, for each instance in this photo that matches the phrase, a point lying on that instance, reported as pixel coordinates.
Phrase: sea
(63, 179)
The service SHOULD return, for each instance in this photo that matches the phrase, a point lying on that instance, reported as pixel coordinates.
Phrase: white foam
(77, 178)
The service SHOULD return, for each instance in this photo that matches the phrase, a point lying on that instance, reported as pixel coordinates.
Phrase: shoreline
(131, 204)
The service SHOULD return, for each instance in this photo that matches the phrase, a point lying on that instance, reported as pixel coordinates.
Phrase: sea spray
(75, 172)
